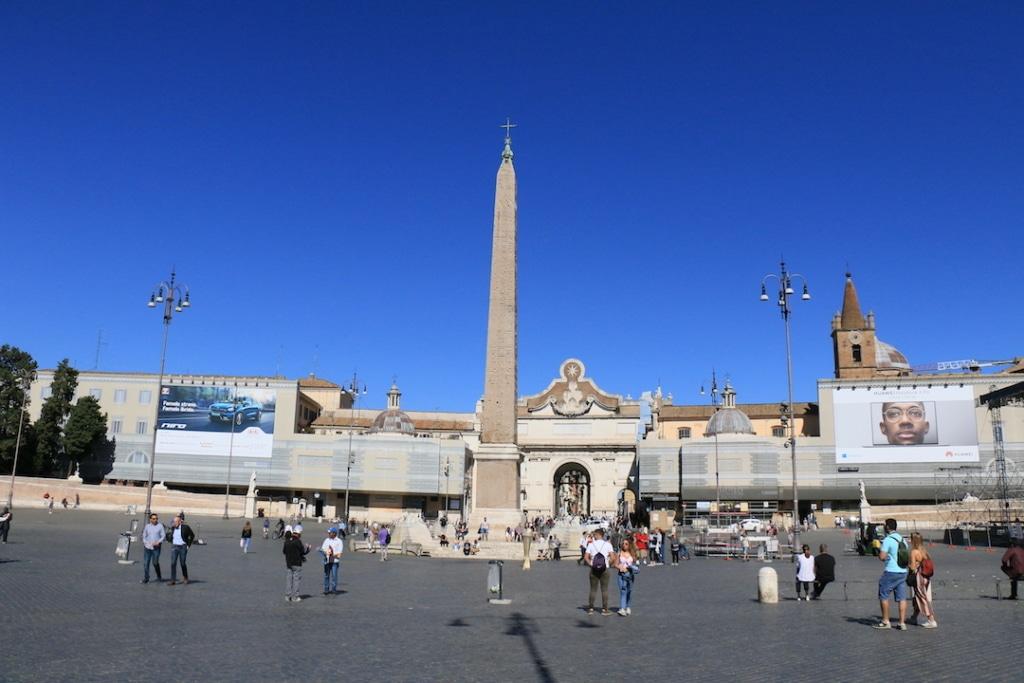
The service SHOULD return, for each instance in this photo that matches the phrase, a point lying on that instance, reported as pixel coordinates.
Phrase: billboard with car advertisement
(213, 420)
(905, 424)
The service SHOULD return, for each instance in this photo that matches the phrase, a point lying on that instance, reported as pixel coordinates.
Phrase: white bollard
(767, 586)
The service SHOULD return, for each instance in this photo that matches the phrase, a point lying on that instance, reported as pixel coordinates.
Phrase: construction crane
(969, 365)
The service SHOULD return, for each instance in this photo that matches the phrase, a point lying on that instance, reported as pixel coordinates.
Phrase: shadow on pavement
(522, 626)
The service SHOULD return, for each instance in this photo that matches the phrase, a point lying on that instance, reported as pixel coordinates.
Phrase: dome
(888, 356)
(729, 421)
(393, 421)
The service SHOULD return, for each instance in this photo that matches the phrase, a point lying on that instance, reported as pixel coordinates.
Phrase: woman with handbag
(919, 577)
(628, 568)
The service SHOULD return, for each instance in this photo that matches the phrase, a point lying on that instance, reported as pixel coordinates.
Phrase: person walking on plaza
(585, 540)
(294, 555)
(921, 569)
(181, 540)
(626, 565)
(894, 578)
(673, 542)
(641, 539)
(600, 556)
(824, 570)
(5, 523)
(266, 528)
(246, 539)
(653, 547)
(332, 548)
(1012, 564)
(152, 536)
(804, 572)
(384, 539)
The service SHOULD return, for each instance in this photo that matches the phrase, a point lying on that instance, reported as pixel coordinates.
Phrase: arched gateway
(572, 490)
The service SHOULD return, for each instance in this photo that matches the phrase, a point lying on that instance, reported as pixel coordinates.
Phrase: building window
(138, 458)
(683, 433)
(145, 396)
(779, 431)
(856, 353)
(96, 393)
(47, 391)
(141, 427)
(115, 426)
(119, 395)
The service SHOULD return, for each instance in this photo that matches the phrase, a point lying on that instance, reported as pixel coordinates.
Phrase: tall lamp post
(785, 282)
(354, 392)
(231, 448)
(25, 382)
(165, 293)
(714, 404)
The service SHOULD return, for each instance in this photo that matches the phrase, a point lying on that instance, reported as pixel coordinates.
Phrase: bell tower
(854, 343)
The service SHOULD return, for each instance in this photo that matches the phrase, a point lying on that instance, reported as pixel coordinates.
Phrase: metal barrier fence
(948, 589)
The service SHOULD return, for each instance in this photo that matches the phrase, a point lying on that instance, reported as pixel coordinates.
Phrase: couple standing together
(602, 559)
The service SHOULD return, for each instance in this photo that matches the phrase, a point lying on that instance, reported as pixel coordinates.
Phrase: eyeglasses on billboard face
(894, 414)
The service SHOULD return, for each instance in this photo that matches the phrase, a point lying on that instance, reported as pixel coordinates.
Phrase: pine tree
(49, 428)
(17, 370)
(85, 436)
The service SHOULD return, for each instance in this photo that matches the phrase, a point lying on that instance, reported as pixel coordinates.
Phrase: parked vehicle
(751, 524)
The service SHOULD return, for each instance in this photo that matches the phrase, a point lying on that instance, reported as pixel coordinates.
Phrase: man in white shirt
(181, 540)
(599, 556)
(332, 548)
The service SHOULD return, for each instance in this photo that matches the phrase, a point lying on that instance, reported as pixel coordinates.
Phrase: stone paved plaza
(70, 612)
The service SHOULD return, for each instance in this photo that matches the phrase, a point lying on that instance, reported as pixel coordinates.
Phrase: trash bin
(494, 583)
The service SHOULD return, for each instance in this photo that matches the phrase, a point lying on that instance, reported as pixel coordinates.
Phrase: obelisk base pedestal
(496, 485)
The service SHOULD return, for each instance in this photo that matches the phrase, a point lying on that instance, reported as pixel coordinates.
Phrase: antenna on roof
(99, 345)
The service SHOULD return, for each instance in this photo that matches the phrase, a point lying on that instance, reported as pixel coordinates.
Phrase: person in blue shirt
(894, 578)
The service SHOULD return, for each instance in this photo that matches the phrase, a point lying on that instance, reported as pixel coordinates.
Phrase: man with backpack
(896, 555)
(599, 556)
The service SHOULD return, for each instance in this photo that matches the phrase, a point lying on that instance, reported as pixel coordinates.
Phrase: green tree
(49, 428)
(85, 437)
(17, 370)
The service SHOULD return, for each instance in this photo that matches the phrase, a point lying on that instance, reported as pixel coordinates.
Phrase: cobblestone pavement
(70, 612)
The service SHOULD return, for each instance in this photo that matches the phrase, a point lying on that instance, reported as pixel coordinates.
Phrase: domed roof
(888, 356)
(393, 420)
(729, 421)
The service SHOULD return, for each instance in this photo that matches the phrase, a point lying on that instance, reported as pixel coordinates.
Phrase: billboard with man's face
(905, 424)
(212, 420)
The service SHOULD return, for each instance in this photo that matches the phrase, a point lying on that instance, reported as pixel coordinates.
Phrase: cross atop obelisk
(496, 469)
(508, 126)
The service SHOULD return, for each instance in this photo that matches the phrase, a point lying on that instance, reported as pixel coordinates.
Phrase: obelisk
(496, 472)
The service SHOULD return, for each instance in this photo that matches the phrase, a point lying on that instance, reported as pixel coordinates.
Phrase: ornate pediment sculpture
(572, 394)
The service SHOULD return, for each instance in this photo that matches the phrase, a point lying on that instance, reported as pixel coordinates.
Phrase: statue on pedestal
(250, 497)
(865, 507)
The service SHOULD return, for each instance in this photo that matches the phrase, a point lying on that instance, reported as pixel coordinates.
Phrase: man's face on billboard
(904, 424)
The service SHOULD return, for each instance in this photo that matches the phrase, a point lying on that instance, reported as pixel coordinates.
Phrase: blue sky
(321, 174)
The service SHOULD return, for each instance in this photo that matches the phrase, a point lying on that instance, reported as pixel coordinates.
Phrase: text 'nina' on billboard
(211, 420)
(905, 424)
